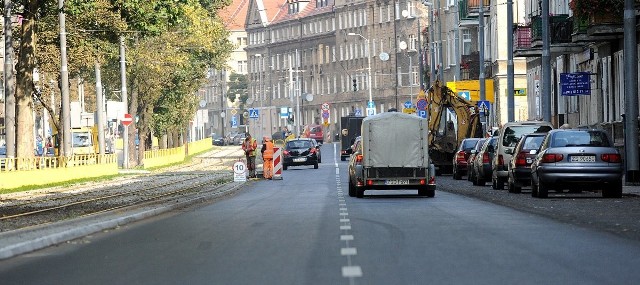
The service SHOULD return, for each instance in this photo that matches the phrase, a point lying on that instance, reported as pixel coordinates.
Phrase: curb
(22, 241)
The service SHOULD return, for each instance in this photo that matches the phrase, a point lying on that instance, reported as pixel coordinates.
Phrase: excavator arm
(444, 137)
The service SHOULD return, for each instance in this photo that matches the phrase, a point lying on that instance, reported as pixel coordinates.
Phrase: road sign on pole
(127, 120)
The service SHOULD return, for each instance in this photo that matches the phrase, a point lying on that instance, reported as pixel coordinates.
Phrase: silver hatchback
(577, 159)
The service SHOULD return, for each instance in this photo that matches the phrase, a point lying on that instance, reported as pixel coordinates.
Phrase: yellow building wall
(473, 87)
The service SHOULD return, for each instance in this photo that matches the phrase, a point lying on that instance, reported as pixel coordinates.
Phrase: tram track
(207, 176)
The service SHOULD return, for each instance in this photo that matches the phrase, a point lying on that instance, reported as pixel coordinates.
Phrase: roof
(233, 16)
(309, 10)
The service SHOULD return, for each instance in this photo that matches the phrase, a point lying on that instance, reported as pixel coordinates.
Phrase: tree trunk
(133, 107)
(25, 141)
(163, 143)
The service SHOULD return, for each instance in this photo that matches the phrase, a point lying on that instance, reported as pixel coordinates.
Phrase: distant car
(476, 149)
(239, 139)
(577, 159)
(218, 140)
(461, 157)
(313, 132)
(300, 152)
(519, 169)
(482, 162)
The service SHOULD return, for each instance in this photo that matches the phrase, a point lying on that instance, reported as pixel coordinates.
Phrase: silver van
(508, 137)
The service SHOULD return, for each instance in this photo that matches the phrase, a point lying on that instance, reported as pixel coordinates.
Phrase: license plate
(397, 182)
(302, 159)
(583, 158)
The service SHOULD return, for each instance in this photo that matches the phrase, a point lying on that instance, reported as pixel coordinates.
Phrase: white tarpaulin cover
(394, 139)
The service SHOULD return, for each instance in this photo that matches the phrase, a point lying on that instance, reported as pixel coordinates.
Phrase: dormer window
(294, 7)
(322, 3)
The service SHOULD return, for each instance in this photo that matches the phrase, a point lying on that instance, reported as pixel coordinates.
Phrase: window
(466, 42)
(389, 13)
(242, 66)
(413, 42)
(411, 8)
(381, 13)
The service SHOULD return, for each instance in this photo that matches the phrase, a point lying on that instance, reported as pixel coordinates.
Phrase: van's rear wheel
(359, 192)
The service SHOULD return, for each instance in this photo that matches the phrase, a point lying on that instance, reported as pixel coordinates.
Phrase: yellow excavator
(451, 120)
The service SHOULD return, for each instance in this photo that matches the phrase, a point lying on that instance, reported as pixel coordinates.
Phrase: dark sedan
(462, 155)
(577, 159)
(519, 169)
(300, 152)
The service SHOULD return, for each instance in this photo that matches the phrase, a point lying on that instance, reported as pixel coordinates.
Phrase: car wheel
(500, 183)
(534, 189)
(615, 190)
(352, 189)
(479, 181)
(342, 158)
(474, 180)
(494, 184)
(319, 159)
(543, 190)
(456, 174)
(284, 167)
(510, 187)
(315, 165)
(359, 192)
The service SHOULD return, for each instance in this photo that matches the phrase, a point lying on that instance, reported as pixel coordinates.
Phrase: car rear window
(532, 143)
(316, 130)
(468, 144)
(513, 134)
(580, 138)
(299, 144)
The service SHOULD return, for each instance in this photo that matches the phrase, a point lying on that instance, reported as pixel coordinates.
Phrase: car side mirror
(508, 151)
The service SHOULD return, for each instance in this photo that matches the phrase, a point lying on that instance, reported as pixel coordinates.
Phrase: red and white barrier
(277, 163)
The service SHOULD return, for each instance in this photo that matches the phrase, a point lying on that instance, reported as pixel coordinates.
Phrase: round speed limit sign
(239, 171)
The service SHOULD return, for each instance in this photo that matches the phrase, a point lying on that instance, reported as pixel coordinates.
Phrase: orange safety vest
(268, 151)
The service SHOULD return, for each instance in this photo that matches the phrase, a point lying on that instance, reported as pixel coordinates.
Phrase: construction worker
(249, 147)
(267, 157)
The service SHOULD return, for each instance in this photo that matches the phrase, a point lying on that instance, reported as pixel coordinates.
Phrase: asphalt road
(305, 229)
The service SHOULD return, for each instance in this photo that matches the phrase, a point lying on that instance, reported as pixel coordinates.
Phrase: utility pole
(64, 84)
(99, 108)
(546, 63)
(631, 93)
(483, 97)
(510, 72)
(123, 79)
(9, 84)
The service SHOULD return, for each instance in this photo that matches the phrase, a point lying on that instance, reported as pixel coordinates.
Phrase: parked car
(462, 156)
(474, 151)
(482, 162)
(239, 138)
(519, 169)
(356, 173)
(508, 136)
(317, 146)
(299, 152)
(577, 159)
(218, 140)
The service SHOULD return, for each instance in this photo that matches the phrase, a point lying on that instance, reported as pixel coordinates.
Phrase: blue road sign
(370, 104)
(422, 113)
(284, 112)
(234, 122)
(577, 83)
(358, 112)
(254, 113)
(408, 104)
(484, 106)
(465, 94)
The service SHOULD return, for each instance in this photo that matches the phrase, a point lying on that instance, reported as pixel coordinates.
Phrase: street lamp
(260, 93)
(370, 103)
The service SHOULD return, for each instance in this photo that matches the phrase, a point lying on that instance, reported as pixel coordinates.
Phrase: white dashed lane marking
(350, 270)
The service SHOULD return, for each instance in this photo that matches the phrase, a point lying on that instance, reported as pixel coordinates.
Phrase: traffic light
(355, 85)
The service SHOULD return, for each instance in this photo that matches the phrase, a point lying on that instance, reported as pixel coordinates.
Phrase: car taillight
(423, 181)
(460, 156)
(611, 157)
(552, 157)
(485, 157)
(285, 152)
(370, 182)
(521, 159)
(432, 180)
(358, 158)
(500, 160)
(312, 150)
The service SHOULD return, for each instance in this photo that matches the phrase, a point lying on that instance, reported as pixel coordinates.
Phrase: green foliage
(238, 88)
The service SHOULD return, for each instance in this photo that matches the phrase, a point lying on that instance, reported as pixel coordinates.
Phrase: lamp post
(370, 103)
(261, 91)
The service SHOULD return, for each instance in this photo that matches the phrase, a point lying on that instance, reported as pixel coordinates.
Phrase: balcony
(528, 38)
(469, 11)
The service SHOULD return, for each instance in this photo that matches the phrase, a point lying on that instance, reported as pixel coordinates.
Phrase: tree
(238, 88)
